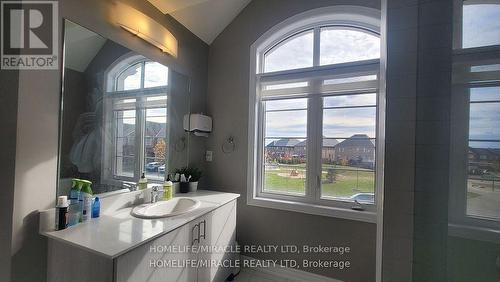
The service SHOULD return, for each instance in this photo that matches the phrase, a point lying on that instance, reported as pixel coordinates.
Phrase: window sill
(474, 233)
(308, 208)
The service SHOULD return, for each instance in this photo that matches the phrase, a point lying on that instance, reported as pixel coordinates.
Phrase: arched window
(136, 119)
(313, 115)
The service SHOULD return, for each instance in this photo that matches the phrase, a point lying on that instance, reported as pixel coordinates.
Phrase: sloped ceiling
(81, 46)
(205, 18)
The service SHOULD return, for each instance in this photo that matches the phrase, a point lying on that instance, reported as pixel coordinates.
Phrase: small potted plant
(192, 175)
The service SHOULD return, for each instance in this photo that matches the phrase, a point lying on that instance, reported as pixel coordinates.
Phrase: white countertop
(112, 235)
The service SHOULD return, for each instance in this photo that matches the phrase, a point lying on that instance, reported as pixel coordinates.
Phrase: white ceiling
(205, 18)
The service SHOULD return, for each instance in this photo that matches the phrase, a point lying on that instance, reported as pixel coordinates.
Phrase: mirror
(121, 115)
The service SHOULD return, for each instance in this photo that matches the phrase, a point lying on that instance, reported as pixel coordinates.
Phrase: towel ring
(228, 146)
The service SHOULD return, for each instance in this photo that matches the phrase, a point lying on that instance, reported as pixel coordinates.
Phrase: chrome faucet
(154, 194)
(130, 185)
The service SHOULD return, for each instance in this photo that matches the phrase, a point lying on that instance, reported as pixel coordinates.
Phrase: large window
(475, 155)
(314, 121)
(136, 119)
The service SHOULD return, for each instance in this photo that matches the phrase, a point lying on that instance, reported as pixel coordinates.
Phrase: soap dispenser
(86, 195)
(143, 182)
(167, 190)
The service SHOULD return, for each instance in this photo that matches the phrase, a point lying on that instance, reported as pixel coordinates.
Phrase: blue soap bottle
(96, 208)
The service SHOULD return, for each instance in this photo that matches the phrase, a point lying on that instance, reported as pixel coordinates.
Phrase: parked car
(363, 197)
(161, 169)
(153, 166)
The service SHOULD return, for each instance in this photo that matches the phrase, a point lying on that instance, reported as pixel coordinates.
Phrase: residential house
(482, 160)
(327, 152)
(357, 150)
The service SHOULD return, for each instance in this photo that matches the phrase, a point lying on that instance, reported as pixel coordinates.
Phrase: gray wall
(432, 140)
(37, 128)
(8, 121)
(227, 103)
(401, 80)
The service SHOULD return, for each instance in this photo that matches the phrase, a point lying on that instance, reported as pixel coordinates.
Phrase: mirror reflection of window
(475, 197)
(140, 143)
(480, 23)
(155, 74)
(130, 78)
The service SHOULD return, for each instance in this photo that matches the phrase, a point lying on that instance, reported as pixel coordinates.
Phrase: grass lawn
(347, 183)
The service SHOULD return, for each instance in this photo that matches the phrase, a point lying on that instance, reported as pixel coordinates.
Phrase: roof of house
(153, 129)
(357, 140)
(327, 143)
(284, 143)
(485, 151)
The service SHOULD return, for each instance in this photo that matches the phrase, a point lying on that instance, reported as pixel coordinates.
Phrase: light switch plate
(209, 156)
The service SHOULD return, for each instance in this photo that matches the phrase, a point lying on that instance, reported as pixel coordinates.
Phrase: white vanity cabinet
(165, 258)
(219, 228)
(149, 262)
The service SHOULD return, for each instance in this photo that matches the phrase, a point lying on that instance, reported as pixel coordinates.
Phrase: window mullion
(316, 46)
(314, 142)
(139, 137)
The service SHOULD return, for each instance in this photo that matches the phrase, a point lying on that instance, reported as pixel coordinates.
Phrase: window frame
(141, 94)
(463, 79)
(350, 17)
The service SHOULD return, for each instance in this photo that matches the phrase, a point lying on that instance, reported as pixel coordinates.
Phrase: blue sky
(336, 46)
(481, 25)
(484, 118)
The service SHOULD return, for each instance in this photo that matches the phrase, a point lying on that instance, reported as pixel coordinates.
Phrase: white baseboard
(290, 273)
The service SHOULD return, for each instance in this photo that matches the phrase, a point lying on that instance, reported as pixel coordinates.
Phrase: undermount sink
(173, 207)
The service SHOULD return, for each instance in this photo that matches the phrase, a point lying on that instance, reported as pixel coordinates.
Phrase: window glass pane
(483, 181)
(485, 68)
(124, 166)
(349, 79)
(341, 45)
(125, 146)
(285, 166)
(340, 182)
(349, 122)
(125, 149)
(480, 24)
(155, 75)
(289, 123)
(125, 124)
(286, 104)
(155, 143)
(350, 100)
(485, 94)
(130, 78)
(292, 53)
(348, 169)
(348, 152)
(484, 121)
(286, 85)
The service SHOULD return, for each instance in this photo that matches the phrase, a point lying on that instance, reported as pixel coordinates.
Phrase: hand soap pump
(143, 182)
(74, 193)
(167, 190)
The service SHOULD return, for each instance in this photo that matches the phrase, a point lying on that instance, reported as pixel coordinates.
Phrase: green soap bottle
(86, 195)
(74, 193)
(143, 182)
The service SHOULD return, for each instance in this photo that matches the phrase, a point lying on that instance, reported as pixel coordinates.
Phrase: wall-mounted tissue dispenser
(199, 124)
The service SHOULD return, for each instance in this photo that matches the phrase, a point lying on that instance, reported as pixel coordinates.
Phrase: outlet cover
(209, 156)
